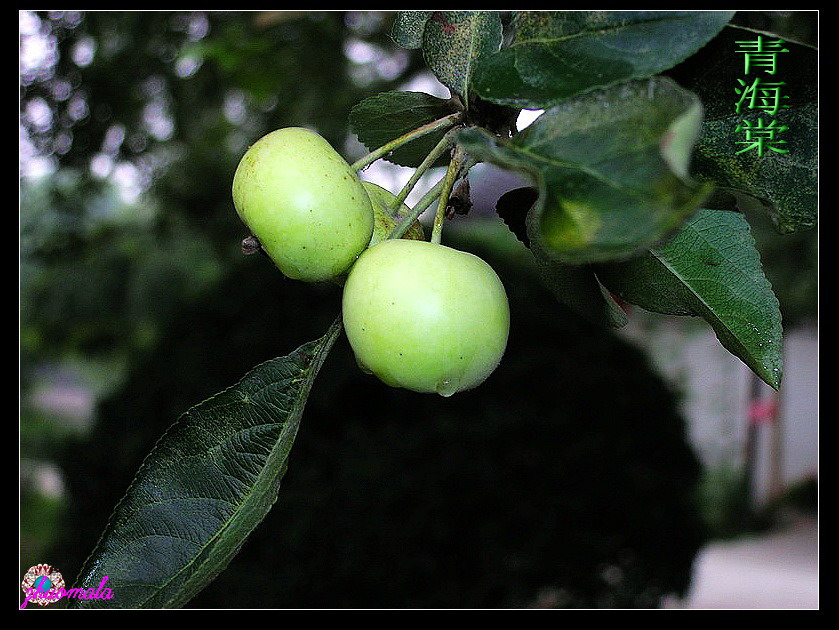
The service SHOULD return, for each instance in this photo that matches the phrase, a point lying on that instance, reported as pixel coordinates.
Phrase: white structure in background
(716, 390)
(779, 571)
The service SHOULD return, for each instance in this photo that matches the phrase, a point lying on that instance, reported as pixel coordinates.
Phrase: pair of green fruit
(418, 315)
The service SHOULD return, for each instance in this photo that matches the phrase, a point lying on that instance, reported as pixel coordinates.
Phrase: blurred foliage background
(565, 480)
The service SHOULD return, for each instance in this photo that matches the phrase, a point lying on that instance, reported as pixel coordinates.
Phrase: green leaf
(557, 54)
(207, 484)
(785, 185)
(454, 41)
(576, 286)
(609, 167)
(710, 268)
(386, 116)
(408, 27)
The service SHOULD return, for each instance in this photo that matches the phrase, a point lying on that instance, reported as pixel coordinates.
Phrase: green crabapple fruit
(425, 317)
(385, 219)
(304, 203)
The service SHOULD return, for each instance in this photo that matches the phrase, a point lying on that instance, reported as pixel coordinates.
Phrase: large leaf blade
(206, 485)
(557, 54)
(710, 268)
(610, 167)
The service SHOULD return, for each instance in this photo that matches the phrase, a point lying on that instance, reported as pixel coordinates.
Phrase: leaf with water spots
(710, 268)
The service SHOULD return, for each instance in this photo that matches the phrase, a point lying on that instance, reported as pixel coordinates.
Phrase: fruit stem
(427, 199)
(430, 159)
(448, 182)
(442, 123)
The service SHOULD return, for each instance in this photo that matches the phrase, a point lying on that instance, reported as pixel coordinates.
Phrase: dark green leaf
(610, 167)
(785, 184)
(557, 54)
(576, 286)
(408, 27)
(207, 484)
(710, 268)
(797, 26)
(384, 117)
(454, 41)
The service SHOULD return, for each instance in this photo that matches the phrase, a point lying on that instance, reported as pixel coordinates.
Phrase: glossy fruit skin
(304, 203)
(425, 317)
(385, 220)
